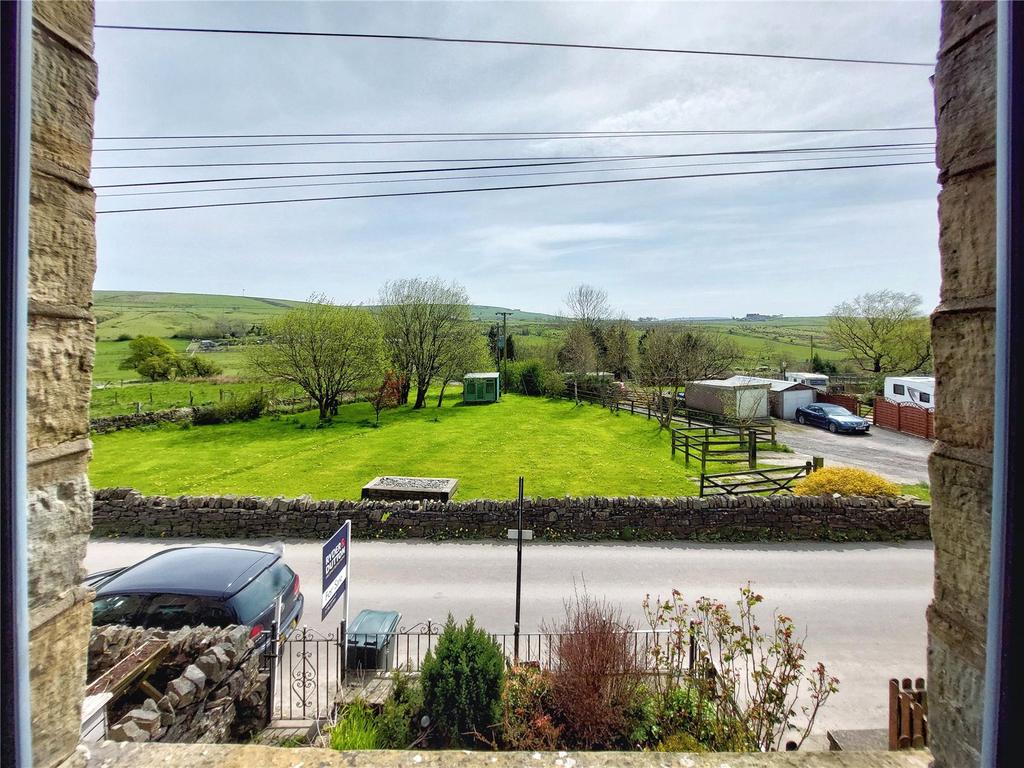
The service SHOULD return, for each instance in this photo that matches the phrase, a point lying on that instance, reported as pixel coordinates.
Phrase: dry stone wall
(131, 420)
(212, 688)
(124, 512)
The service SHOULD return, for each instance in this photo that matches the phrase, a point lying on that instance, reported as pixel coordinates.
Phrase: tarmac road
(862, 605)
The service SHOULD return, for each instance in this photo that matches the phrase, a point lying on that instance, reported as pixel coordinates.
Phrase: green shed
(481, 388)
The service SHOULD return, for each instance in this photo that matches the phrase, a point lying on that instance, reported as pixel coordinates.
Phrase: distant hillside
(130, 313)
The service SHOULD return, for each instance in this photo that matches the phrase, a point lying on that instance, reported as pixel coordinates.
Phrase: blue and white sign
(334, 584)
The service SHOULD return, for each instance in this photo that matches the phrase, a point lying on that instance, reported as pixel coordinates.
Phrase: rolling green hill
(131, 313)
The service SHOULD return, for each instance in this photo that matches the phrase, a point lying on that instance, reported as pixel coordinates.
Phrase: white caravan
(919, 390)
(817, 380)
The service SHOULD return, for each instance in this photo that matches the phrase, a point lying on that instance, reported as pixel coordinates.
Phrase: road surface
(862, 605)
(895, 456)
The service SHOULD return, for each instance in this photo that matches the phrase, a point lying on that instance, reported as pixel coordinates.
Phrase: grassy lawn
(160, 395)
(560, 448)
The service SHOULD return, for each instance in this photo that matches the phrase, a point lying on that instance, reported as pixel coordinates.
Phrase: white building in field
(817, 380)
(919, 390)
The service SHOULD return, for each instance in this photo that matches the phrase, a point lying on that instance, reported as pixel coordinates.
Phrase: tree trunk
(576, 391)
(324, 409)
(440, 397)
(421, 398)
(403, 398)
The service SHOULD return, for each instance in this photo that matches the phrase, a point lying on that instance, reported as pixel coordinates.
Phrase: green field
(109, 355)
(149, 313)
(559, 447)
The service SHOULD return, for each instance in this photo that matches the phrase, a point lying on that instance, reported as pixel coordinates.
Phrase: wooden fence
(908, 714)
(743, 482)
(905, 417)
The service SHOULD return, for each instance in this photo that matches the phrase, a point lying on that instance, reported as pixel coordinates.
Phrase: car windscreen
(260, 594)
(836, 410)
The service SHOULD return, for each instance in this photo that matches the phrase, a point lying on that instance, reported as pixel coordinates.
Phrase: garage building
(743, 395)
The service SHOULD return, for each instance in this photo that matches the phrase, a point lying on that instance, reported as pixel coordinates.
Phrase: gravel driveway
(895, 456)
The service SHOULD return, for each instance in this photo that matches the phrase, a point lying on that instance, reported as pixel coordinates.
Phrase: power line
(542, 160)
(547, 185)
(503, 175)
(696, 132)
(488, 138)
(485, 41)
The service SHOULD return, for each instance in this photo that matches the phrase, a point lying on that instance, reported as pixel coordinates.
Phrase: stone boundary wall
(211, 687)
(124, 512)
(129, 420)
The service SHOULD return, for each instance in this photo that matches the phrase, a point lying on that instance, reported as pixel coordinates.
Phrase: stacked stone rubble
(214, 690)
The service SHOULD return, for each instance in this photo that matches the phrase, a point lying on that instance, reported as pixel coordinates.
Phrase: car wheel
(800, 419)
(833, 428)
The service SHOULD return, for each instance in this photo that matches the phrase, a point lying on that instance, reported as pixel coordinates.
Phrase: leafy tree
(466, 352)
(884, 332)
(152, 357)
(820, 365)
(619, 348)
(197, 366)
(422, 321)
(325, 349)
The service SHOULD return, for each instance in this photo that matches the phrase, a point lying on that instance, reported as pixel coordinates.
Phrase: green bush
(355, 729)
(553, 383)
(197, 367)
(245, 408)
(396, 722)
(462, 682)
(526, 711)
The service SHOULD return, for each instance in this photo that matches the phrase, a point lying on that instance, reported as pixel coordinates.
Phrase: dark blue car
(835, 418)
(189, 586)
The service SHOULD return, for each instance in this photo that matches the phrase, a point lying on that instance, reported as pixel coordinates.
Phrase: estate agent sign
(334, 584)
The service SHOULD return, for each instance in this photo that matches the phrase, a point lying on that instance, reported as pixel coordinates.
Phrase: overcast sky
(777, 243)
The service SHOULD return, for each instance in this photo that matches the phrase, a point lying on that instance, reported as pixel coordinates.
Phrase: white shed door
(793, 399)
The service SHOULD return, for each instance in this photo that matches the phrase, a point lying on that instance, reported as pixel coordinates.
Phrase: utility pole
(504, 345)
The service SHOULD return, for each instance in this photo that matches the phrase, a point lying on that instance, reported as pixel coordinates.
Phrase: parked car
(189, 586)
(833, 417)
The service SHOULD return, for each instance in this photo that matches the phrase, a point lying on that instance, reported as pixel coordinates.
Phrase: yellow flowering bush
(845, 481)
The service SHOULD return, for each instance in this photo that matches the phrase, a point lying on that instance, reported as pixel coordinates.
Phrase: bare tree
(578, 355)
(672, 356)
(588, 306)
(325, 349)
(883, 331)
(422, 319)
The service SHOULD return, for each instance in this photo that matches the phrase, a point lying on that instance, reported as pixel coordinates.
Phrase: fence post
(673, 443)
(817, 462)
(752, 448)
(271, 693)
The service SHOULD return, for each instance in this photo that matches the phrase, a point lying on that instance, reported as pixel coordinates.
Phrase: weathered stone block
(967, 236)
(62, 243)
(60, 517)
(60, 357)
(964, 350)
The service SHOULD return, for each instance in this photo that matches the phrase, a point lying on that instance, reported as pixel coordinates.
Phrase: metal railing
(306, 669)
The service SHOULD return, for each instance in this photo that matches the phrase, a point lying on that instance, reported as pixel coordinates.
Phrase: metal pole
(503, 363)
(519, 566)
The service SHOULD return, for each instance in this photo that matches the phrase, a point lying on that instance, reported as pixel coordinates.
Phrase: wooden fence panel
(905, 417)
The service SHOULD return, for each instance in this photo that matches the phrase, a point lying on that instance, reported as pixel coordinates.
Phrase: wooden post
(752, 448)
(190, 398)
(894, 697)
(817, 462)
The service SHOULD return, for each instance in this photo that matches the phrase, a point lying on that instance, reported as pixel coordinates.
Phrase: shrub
(845, 481)
(526, 711)
(396, 722)
(553, 383)
(680, 742)
(462, 681)
(197, 367)
(124, 337)
(355, 729)
(245, 408)
(596, 675)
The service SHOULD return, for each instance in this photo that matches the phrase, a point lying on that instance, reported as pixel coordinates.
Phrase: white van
(911, 389)
(817, 380)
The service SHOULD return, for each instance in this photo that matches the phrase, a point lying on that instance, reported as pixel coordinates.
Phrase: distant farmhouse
(755, 317)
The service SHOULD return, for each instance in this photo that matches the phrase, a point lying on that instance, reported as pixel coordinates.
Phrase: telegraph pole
(504, 345)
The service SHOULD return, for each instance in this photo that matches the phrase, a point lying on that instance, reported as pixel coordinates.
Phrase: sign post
(334, 584)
